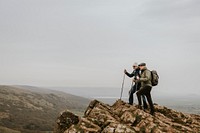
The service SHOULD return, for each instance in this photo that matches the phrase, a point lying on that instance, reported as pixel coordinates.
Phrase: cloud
(90, 42)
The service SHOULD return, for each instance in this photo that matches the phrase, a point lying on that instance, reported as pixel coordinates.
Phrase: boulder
(124, 118)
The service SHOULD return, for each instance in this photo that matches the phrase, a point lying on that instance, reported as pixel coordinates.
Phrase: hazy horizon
(89, 43)
(185, 103)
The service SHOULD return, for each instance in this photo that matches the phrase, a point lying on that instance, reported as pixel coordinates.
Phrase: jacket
(135, 73)
(145, 78)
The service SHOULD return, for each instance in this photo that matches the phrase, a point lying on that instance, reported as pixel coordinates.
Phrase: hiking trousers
(131, 97)
(145, 91)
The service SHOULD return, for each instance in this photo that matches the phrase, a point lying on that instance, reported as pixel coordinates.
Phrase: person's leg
(134, 90)
(131, 98)
(143, 96)
(149, 99)
(138, 86)
(145, 106)
(139, 93)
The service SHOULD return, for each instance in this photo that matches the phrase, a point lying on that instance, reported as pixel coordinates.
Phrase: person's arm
(129, 75)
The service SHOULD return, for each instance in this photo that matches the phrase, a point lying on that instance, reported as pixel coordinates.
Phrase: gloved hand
(125, 71)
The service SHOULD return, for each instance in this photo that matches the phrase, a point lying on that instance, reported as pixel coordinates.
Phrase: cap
(142, 64)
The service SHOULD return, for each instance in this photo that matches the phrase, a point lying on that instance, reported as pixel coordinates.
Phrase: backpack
(154, 77)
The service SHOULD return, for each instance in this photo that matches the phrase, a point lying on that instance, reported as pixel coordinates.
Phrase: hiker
(136, 86)
(146, 86)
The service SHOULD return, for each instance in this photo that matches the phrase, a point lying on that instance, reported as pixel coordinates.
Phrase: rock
(66, 120)
(124, 118)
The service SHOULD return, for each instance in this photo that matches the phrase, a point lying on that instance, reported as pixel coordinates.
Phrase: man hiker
(146, 86)
(136, 86)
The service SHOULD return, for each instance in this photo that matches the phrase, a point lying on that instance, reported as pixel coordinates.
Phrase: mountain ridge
(124, 118)
(27, 110)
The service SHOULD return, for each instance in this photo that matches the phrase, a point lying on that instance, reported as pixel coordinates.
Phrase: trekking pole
(122, 86)
(136, 85)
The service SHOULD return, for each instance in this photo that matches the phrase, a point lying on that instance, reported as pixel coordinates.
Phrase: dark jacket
(135, 73)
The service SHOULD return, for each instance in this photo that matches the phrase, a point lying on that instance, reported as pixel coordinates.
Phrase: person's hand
(135, 80)
(125, 71)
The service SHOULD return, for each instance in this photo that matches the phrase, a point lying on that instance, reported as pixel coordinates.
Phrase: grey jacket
(145, 78)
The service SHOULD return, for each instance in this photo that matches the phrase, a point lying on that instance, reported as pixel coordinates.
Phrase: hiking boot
(152, 113)
(139, 106)
(145, 106)
(130, 103)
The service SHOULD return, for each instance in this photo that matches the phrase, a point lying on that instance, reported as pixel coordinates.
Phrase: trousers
(146, 90)
(135, 88)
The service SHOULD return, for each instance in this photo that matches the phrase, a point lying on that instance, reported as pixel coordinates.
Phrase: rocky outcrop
(124, 118)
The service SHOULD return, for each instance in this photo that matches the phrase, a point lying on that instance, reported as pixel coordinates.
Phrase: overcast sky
(88, 43)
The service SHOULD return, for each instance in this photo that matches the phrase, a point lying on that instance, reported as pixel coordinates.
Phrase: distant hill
(180, 101)
(122, 117)
(32, 109)
(7, 130)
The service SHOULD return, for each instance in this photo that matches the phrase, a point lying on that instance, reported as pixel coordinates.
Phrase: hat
(135, 64)
(142, 64)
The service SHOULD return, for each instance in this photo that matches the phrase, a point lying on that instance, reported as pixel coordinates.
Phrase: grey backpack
(154, 77)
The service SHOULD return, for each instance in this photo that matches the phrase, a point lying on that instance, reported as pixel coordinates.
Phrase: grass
(7, 130)
(28, 111)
